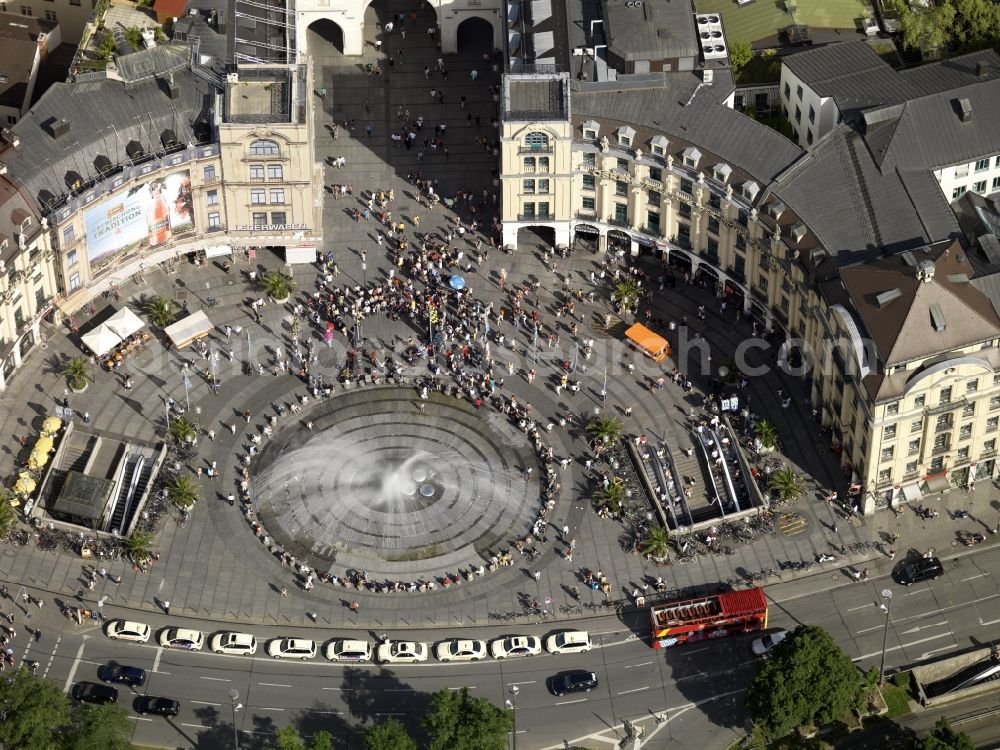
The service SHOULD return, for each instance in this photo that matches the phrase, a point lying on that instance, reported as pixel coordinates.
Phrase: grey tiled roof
(104, 116)
(855, 209)
(650, 30)
(733, 137)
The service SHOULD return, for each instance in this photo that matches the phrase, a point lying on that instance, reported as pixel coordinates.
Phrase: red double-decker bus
(708, 617)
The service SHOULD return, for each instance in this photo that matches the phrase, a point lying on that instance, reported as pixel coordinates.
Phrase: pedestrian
(565, 531)
(355, 607)
(538, 575)
(284, 591)
(473, 74)
(232, 428)
(368, 129)
(322, 93)
(856, 575)
(892, 554)
(39, 602)
(864, 574)
(38, 635)
(166, 607)
(211, 434)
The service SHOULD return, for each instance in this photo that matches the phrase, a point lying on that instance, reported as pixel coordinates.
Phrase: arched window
(537, 141)
(264, 148)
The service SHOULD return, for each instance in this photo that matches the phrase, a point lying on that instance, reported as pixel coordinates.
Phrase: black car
(573, 682)
(923, 569)
(132, 676)
(150, 704)
(92, 692)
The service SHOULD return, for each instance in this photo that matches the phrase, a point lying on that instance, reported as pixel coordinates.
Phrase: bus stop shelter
(651, 344)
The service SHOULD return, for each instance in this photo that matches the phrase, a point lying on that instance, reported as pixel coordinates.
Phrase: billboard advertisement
(148, 214)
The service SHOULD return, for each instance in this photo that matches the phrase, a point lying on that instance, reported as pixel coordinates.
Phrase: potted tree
(161, 311)
(604, 430)
(78, 374)
(656, 545)
(786, 484)
(183, 492)
(184, 431)
(278, 286)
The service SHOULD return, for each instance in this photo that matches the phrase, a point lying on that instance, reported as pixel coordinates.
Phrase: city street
(698, 687)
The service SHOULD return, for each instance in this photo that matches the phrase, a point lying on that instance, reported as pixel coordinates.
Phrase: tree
(943, 737)
(457, 721)
(277, 285)
(611, 496)
(161, 311)
(766, 434)
(322, 740)
(33, 710)
(740, 53)
(105, 726)
(78, 373)
(627, 292)
(605, 430)
(786, 484)
(183, 430)
(807, 680)
(656, 544)
(139, 546)
(183, 492)
(966, 25)
(289, 739)
(389, 735)
(8, 517)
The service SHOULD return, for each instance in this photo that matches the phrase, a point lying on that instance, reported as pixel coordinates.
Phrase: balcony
(940, 451)
(586, 215)
(946, 406)
(535, 150)
(884, 484)
(535, 217)
(619, 223)
(943, 427)
(911, 475)
(988, 453)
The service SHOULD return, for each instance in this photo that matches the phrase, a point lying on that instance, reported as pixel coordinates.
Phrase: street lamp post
(249, 351)
(887, 606)
(234, 695)
(512, 705)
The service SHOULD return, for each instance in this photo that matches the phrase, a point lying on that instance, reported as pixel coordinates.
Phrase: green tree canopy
(943, 737)
(786, 484)
(740, 53)
(33, 711)
(457, 721)
(389, 735)
(807, 680)
(290, 739)
(105, 726)
(967, 24)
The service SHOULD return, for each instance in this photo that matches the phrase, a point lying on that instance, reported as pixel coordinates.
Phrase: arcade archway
(324, 33)
(475, 37)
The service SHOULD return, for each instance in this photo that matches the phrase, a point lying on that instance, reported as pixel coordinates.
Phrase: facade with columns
(27, 278)
(349, 15)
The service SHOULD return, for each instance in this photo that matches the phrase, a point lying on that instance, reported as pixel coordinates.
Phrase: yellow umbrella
(43, 444)
(37, 460)
(51, 424)
(24, 485)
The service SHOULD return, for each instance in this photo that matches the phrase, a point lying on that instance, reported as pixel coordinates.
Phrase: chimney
(60, 128)
(172, 90)
(964, 110)
(982, 70)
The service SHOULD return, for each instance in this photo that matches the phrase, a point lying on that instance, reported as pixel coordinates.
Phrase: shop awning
(937, 483)
(186, 330)
(912, 493)
(217, 251)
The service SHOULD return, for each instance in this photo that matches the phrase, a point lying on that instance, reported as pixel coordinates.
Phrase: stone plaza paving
(379, 440)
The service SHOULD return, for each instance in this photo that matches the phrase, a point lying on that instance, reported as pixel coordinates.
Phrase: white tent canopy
(186, 330)
(112, 332)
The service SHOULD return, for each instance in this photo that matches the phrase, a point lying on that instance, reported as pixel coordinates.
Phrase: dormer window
(591, 130)
(625, 136)
(658, 145)
(750, 190)
(721, 172)
(26, 225)
(691, 157)
(776, 209)
(799, 232)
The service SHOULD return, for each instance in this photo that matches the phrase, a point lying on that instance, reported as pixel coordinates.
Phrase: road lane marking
(338, 713)
(76, 663)
(905, 645)
(156, 659)
(931, 653)
(918, 628)
(690, 676)
(468, 687)
(991, 622)
(400, 690)
(972, 578)
(526, 682)
(205, 703)
(196, 726)
(863, 606)
(633, 690)
(139, 718)
(268, 708)
(643, 664)
(868, 630)
(215, 679)
(566, 703)
(273, 684)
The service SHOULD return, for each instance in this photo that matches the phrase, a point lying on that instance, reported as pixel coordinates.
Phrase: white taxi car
(348, 650)
(460, 650)
(233, 643)
(401, 652)
(291, 648)
(192, 640)
(568, 642)
(126, 630)
(516, 645)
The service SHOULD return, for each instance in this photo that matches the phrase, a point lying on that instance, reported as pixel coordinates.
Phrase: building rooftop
(532, 97)
(680, 107)
(83, 131)
(266, 93)
(19, 36)
(920, 318)
(764, 20)
(855, 209)
(650, 30)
